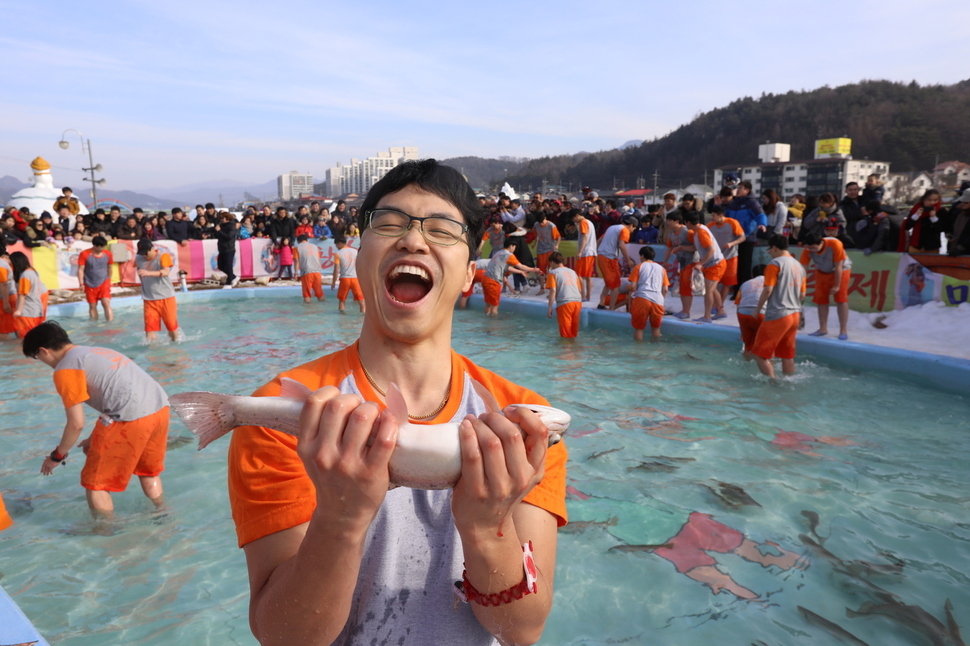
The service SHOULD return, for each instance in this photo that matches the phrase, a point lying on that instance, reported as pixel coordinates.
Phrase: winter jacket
(748, 212)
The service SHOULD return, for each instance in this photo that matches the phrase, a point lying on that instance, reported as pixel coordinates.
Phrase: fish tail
(208, 415)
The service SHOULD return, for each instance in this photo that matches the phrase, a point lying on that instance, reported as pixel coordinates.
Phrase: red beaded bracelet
(465, 591)
(57, 457)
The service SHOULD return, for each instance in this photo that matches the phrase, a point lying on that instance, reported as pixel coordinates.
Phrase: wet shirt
(679, 240)
(546, 236)
(724, 233)
(109, 382)
(309, 256)
(155, 288)
(97, 269)
(648, 280)
(610, 244)
(497, 264)
(824, 260)
(787, 276)
(412, 552)
(587, 239)
(748, 296)
(31, 287)
(346, 260)
(496, 239)
(6, 277)
(704, 241)
(566, 283)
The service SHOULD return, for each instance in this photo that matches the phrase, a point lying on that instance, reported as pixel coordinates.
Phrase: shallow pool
(660, 432)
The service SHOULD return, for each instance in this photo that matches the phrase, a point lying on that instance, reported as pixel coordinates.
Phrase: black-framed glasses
(436, 229)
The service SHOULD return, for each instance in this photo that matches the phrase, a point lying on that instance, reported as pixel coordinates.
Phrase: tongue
(406, 290)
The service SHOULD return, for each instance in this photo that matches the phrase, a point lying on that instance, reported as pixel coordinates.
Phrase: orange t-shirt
(269, 489)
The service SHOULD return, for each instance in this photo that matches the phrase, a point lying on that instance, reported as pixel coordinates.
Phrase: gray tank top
(96, 270)
(786, 297)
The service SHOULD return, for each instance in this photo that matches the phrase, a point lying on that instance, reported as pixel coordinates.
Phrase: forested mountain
(482, 172)
(912, 127)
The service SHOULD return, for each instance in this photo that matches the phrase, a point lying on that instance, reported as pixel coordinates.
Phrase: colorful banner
(57, 266)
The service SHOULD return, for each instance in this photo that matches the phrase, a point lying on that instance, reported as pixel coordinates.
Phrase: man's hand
(6, 306)
(84, 445)
(345, 445)
(499, 467)
(48, 467)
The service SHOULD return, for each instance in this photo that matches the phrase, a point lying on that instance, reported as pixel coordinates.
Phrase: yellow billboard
(839, 146)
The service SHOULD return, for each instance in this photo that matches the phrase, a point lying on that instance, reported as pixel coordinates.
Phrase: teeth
(410, 269)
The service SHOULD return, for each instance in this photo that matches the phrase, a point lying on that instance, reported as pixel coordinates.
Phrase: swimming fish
(856, 568)
(640, 548)
(577, 526)
(731, 494)
(427, 456)
(838, 631)
(913, 617)
(653, 467)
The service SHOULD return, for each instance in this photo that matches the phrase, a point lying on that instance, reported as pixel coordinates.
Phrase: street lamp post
(86, 146)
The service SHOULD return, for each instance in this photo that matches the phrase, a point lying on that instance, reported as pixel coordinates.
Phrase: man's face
(64, 212)
(852, 191)
(670, 202)
(741, 190)
(7, 223)
(115, 214)
(341, 208)
(687, 204)
(717, 218)
(210, 214)
(267, 211)
(411, 285)
(675, 226)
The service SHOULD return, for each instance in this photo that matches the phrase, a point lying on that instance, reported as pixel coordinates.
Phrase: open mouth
(408, 283)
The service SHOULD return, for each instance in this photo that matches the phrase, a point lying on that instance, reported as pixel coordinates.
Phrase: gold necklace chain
(430, 415)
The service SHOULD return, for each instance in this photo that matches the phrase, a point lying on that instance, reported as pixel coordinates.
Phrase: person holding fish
(131, 433)
(337, 553)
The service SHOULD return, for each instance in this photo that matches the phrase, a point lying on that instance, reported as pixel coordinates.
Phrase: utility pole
(656, 180)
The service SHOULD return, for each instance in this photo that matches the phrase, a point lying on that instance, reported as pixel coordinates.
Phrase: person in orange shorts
(566, 294)
(8, 294)
(500, 263)
(153, 268)
(547, 241)
(680, 247)
(31, 308)
(131, 433)
(649, 284)
(712, 263)
(480, 266)
(308, 257)
(612, 246)
(782, 300)
(345, 273)
(585, 250)
(94, 274)
(750, 318)
(316, 516)
(729, 234)
(833, 269)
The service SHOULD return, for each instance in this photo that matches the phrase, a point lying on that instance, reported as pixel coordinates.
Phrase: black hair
(340, 240)
(717, 208)
(48, 335)
(210, 205)
(692, 217)
(646, 220)
(811, 238)
(99, 241)
(675, 216)
(557, 257)
(97, 211)
(19, 263)
(67, 188)
(647, 252)
(758, 270)
(144, 246)
(437, 179)
(301, 238)
(779, 241)
(508, 243)
(199, 206)
(630, 220)
(873, 206)
(726, 192)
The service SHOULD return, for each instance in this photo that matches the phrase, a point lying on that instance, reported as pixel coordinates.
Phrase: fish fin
(205, 414)
(396, 406)
(491, 404)
(293, 389)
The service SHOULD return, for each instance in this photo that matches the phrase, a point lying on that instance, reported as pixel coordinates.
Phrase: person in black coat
(178, 228)
(226, 232)
(281, 226)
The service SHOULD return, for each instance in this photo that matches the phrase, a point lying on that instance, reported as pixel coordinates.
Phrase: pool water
(660, 431)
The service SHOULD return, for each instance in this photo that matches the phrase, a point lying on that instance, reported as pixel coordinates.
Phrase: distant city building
(293, 185)
(832, 168)
(361, 174)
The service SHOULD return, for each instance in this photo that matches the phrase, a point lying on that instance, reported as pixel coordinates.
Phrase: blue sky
(174, 93)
